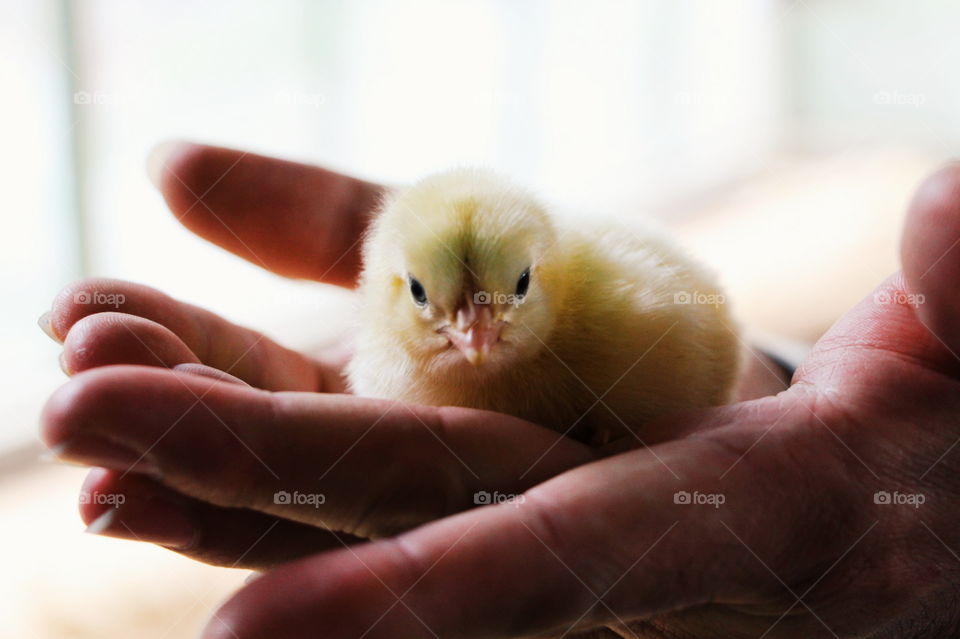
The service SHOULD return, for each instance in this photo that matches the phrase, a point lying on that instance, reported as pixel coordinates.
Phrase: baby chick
(473, 296)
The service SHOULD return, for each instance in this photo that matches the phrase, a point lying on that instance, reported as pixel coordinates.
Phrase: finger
(602, 543)
(214, 341)
(369, 467)
(930, 252)
(137, 508)
(107, 339)
(911, 316)
(115, 338)
(293, 219)
(883, 327)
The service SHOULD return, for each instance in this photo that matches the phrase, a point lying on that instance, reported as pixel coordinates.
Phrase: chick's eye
(523, 283)
(416, 290)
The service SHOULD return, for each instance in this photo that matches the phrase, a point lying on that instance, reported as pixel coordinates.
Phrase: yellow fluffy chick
(473, 296)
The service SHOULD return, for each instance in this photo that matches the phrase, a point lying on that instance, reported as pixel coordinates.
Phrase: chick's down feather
(473, 295)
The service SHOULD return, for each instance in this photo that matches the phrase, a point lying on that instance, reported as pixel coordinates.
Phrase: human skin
(599, 545)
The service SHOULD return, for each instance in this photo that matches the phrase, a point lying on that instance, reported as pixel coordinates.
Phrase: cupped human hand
(215, 435)
(828, 510)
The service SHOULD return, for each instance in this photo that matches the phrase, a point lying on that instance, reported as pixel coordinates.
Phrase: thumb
(930, 253)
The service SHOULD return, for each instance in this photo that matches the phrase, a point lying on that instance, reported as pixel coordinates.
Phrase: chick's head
(462, 272)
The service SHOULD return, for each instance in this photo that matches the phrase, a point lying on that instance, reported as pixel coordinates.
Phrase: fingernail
(99, 525)
(252, 577)
(218, 628)
(157, 160)
(47, 327)
(208, 371)
(147, 518)
(53, 453)
(93, 451)
(63, 364)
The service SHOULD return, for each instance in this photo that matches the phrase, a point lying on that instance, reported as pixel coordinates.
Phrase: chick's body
(473, 296)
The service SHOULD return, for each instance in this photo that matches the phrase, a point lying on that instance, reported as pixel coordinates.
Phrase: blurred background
(781, 139)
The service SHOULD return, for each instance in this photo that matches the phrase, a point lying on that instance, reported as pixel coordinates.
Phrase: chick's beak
(475, 331)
